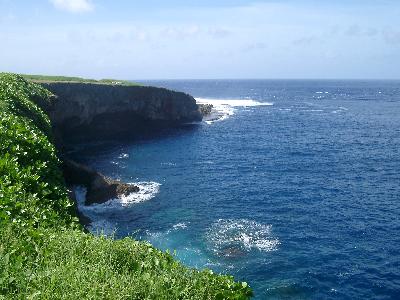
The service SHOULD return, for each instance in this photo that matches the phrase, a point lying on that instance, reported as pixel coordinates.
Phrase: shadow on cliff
(73, 147)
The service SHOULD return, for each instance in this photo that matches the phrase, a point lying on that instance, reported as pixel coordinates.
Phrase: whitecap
(228, 237)
(155, 234)
(123, 155)
(181, 225)
(163, 234)
(340, 110)
(205, 162)
(169, 164)
(313, 110)
(224, 108)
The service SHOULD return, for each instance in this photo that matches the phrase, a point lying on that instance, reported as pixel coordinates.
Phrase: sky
(220, 39)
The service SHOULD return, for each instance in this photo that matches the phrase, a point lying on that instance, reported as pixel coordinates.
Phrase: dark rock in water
(99, 188)
(232, 252)
(84, 111)
(205, 109)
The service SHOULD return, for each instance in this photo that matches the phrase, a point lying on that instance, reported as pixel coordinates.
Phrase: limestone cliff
(96, 111)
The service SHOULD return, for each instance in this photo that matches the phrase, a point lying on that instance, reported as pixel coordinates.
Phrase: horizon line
(289, 79)
(216, 79)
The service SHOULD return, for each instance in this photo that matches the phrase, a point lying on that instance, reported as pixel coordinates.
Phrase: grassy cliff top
(46, 79)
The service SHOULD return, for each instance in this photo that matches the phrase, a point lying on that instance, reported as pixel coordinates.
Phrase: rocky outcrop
(205, 109)
(102, 111)
(99, 188)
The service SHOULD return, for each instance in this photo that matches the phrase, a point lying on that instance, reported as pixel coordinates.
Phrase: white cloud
(74, 6)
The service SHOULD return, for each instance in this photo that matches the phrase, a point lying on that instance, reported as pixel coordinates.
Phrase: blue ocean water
(300, 198)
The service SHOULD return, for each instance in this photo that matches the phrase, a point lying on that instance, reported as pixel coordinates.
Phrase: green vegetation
(44, 78)
(44, 254)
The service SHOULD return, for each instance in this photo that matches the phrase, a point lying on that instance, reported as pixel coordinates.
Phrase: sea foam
(99, 212)
(230, 237)
(147, 191)
(224, 108)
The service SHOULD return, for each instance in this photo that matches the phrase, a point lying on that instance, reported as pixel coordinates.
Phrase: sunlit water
(295, 189)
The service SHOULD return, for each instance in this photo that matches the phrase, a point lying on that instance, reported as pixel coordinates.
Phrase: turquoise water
(299, 197)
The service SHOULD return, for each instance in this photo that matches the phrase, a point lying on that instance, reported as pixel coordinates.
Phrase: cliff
(100, 111)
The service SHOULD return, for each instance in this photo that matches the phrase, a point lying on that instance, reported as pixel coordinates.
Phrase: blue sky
(156, 39)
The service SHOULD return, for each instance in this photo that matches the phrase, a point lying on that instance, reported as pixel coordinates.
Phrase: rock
(104, 190)
(205, 109)
(232, 252)
(99, 188)
(104, 111)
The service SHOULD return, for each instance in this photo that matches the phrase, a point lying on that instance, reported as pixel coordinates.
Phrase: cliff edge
(101, 111)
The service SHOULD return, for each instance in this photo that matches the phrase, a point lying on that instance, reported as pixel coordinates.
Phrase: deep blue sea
(296, 189)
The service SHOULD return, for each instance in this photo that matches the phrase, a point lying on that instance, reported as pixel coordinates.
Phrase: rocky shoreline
(99, 187)
(83, 112)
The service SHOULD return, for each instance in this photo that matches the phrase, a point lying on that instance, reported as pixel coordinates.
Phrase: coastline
(92, 111)
(52, 239)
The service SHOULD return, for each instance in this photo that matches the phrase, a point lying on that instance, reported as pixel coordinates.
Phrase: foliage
(44, 78)
(74, 265)
(31, 185)
(44, 254)
(25, 99)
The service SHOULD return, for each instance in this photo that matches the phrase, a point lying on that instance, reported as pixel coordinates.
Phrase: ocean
(294, 187)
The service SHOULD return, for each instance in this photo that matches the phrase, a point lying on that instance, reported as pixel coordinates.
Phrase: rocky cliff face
(97, 111)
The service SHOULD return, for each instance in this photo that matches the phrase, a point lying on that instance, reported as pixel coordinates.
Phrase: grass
(74, 265)
(45, 79)
(44, 254)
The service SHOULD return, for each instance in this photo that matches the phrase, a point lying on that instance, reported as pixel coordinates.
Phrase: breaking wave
(98, 212)
(224, 108)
